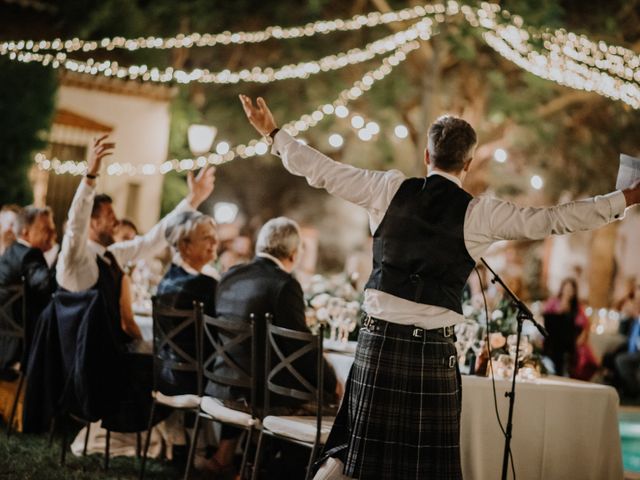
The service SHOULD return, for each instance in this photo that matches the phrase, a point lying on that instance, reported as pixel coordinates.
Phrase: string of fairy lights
(616, 60)
(560, 56)
(322, 27)
(256, 74)
(574, 61)
(339, 108)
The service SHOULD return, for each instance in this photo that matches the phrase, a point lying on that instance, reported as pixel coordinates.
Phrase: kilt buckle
(417, 332)
(447, 331)
(367, 321)
(452, 361)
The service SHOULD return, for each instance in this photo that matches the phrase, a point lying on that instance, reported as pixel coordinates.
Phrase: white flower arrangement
(334, 301)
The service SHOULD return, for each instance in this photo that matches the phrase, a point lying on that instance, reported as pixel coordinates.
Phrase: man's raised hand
(101, 148)
(259, 115)
(200, 186)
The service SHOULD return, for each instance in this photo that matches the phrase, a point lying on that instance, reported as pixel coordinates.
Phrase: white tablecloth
(145, 323)
(562, 429)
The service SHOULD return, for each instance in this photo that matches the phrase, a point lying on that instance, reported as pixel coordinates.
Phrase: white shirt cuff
(281, 140)
(618, 204)
(85, 189)
(185, 206)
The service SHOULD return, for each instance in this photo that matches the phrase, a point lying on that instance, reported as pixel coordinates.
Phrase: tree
(568, 137)
(26, 106)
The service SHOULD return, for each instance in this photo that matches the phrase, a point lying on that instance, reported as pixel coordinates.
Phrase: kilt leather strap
(376, 324)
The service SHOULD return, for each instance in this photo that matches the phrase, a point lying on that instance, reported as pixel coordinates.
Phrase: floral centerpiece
(335, 301)
(471, 336)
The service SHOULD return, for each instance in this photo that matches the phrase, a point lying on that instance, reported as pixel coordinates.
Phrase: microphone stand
(523, 314)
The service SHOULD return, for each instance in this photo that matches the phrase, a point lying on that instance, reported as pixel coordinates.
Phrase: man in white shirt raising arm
(88, 249)
(400, 418)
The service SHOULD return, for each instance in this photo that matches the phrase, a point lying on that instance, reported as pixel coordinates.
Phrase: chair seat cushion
(298, 428)
(177, 401)
(215, 408)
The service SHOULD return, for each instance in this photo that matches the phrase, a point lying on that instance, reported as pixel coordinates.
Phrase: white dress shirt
(272, 258)
(207, 269)
(487, 219)
(22, 241)
(77, 268)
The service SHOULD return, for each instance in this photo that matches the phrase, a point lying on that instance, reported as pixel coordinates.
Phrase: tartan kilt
(400, 418)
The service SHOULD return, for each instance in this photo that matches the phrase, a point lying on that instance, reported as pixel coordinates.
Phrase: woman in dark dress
(194, 240)
(568, 342)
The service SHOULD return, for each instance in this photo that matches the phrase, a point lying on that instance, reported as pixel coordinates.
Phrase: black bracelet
(91, 176)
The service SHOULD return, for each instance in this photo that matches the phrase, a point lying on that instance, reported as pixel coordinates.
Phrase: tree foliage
(570, 138)
(26, 106)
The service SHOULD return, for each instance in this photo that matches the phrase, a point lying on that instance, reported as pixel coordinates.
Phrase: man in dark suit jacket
(35, 233)
(266, 285)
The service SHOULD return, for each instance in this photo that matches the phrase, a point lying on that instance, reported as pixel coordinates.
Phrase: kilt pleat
(403, 408)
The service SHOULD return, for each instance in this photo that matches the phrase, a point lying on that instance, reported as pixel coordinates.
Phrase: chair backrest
(221, 336)
(168, 323)
(11, 327)
(276, 362)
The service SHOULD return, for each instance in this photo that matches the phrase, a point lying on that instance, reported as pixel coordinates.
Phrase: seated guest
(626, 303)
(35, 234)
(125, 230)
(265, 285)
(8, 217)
(192, 236)
(627, 363)
(89, 254)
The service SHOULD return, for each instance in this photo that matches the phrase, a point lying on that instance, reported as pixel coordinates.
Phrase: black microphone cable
(490, 365)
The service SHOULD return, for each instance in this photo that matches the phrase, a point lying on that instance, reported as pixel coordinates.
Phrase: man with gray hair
(401, 413)
(264, 285)
(35, 233)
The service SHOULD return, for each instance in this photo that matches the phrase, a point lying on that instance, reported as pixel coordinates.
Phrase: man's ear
(427, 158)
(467, 165)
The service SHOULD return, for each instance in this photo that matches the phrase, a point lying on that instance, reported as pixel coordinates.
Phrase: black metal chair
(221, 335)
(165, 336)
(308, 431)
(13, 330)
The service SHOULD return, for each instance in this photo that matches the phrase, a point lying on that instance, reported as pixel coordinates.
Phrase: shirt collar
(207, 270)
(22, 241)
(272, 258)
(446, 175)
(96, 248)
(177, 259)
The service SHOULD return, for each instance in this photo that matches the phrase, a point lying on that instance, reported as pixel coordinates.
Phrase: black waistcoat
(419, 252)
(110, 284)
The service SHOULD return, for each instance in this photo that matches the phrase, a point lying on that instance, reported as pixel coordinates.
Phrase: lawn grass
(24, 456)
